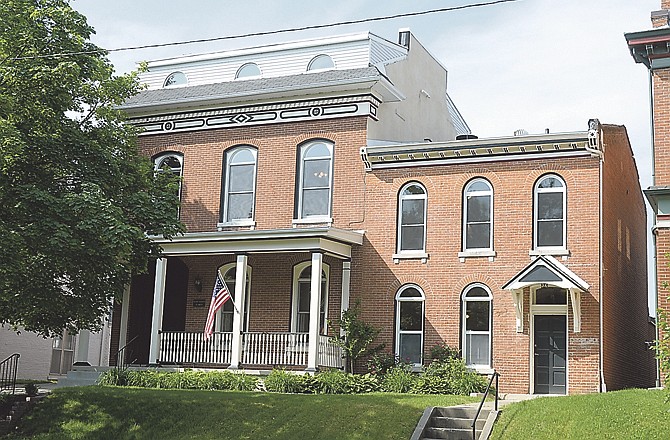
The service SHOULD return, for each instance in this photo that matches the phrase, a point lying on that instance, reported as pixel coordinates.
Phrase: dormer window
(248, 70)
(175, 79)
(321, 62)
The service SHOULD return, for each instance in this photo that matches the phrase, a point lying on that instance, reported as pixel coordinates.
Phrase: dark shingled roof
(231, 89)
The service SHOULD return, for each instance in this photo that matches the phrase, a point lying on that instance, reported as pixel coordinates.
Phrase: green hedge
(195, 380)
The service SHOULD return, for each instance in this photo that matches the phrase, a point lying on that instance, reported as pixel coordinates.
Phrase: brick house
(651, 48)
(328, 171)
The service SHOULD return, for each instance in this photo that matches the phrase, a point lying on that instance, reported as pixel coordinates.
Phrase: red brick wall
(627, 360)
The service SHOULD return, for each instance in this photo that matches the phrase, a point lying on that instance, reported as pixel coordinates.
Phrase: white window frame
(467, 194)
(318, 57)
(228, 157)
(400, 299)
(159, 158)
(295, 303)
(167, 78)
(243, 66)
(411, 253)
(561, 249)
(465, 332)
(320, 218)
(223, 270)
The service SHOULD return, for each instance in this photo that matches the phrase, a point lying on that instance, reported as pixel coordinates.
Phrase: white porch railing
(330, 355)
(272, 349)
(191, 348)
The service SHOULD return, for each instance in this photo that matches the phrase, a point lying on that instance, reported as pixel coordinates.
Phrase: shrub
(282, 381)
(398, 379)
(443, 352)
(31, 389)
(113, 377)
(200, 380)
(449, 377)
(358, 336)
(340, 382)
(380, 363)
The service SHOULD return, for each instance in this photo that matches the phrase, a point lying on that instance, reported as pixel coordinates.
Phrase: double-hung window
(549, 213)
(225, 313)
(302, 292)
(412, 219)
(476, 325)
(170, 162)
(239, 185)
(478, 216)
(409, 324)
(315, 181)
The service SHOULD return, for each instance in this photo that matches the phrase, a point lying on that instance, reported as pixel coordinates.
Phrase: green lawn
(133, 413)
(630, 414)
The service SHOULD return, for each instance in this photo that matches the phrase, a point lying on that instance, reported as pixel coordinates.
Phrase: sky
(528, 64)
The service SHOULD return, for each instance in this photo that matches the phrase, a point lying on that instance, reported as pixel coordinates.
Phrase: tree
(77, 200)
(358, 335)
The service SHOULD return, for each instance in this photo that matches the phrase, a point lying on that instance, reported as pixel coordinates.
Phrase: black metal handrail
(121, 355)
(8, 369)
(495, 376)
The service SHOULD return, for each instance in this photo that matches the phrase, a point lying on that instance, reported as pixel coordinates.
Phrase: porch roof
(546, 269)
(328, 240)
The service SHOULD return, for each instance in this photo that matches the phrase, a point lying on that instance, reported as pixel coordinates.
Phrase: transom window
(302, 290)
(240, 184)
(550, 208)
(409, 324)
(175, 79)
(478, 215)
(321, 62)
(412, 218)
(248, 70)
(315, 180)
(476, 322)
(551, 296)
(225, 313)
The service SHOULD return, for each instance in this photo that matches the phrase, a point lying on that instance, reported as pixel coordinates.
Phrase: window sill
(484, 370)
(477, 254)
(312, 220)
(559, 252)
(236, 224)
(411, 256)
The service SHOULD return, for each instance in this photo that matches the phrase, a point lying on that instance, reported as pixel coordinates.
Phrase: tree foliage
(358, 336)
(78, 202)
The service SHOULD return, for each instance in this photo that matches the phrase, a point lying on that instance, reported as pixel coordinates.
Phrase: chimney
(403, 37)
(660, 18)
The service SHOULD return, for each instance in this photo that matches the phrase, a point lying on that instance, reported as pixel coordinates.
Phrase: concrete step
(457, 422)
(449, 434)
(462, 412)
(79, 377)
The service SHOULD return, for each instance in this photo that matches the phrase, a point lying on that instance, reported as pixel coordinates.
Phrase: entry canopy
(546, 269)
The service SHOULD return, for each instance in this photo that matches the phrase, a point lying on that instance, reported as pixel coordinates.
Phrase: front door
(550, 354)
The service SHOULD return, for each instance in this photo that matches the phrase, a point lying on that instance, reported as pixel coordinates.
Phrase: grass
(134, 413)
(629, 414)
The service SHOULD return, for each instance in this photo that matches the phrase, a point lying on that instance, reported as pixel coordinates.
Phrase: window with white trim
(170, 162)
(549, 228)
(476, 325)
(412, 201)
(478, 215)
(302, 290)
(175, 79)
(409, 314)
(248, 70)
(315, 181)
(224, 318)
(240, 184)
(321, 62)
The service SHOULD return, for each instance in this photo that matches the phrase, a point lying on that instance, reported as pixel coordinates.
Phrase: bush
(334, 382)
(113, 377)
(381, 363)
(398, 379)
(282, 381)
(196, 380)
(31, 389)
(449, 377)
(443, 352)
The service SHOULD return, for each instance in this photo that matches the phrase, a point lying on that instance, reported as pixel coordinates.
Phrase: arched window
(476, 323)
(315, 180)
(549, 212)
(248, 70)
(224, 319)
(302, 289)
(321, 62)
(170, 162)
(175, 79)
(239, 184)
(412, 218)
(409, 324)
(478, 215)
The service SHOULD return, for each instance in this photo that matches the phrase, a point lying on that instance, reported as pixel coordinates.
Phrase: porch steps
(452, 423)
(81, 376)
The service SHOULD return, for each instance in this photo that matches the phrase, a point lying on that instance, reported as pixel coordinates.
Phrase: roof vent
(462, 137)
(520, 132)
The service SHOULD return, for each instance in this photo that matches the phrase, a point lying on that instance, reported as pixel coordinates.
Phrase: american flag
(220, 295)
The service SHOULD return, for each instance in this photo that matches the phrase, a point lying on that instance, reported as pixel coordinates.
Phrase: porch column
(575, 300)
(314, 311)
(81, 357)
(517, 295)
(123, 327)
(238, 312)
(346, 279)
(157, 315)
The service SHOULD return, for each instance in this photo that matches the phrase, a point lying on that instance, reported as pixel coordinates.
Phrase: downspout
(603, 386)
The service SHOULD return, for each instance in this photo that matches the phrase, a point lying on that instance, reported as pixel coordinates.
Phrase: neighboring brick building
(652, 48)
(330, 171)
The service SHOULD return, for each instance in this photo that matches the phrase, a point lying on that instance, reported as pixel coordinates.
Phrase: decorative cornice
(361, 105)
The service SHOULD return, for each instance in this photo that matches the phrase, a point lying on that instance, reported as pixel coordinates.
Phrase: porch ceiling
(331, 241)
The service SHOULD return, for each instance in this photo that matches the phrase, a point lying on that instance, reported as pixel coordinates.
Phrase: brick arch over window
(484, 173)
(393, 288)
(423, 179)
(531, 178)
(475, 278)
